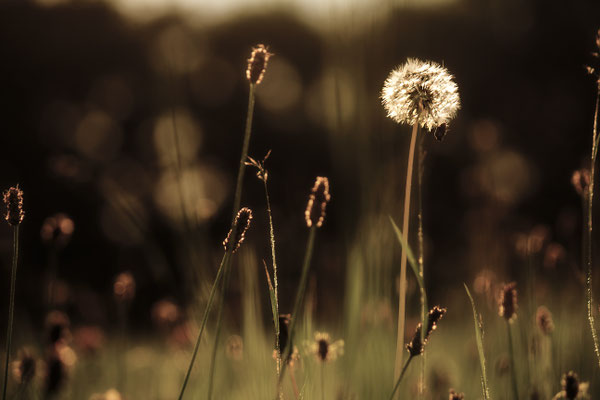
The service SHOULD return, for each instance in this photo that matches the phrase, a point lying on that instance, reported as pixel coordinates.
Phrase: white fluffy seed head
(420, 91)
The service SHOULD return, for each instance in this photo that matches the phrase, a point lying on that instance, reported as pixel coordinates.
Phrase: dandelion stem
(397, 385)
(421, 259)
(405, 225)
(11, 308)
(299, 298)
(588, 255)
(226, 256)
(213, 361)
(513, 372)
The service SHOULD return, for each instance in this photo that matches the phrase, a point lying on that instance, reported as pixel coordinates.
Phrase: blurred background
(91, 93)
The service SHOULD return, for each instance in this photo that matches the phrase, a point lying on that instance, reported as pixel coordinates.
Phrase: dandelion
(507, 303)
(417, 93)
(456, 396)
(241, 225)
(571, 387)
(13, 199)
(421, 92)
(543, 320)
(324, 349)
(257, 64)
(317, 202)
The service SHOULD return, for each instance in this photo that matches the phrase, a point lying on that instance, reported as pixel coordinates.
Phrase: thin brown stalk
(405, 226)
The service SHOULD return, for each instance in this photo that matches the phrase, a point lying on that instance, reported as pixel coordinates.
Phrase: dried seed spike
(242, 222)
(456, 396)
(416, 346)
(13, 199)
(570, 385)
(257, 64)
(507, 304)
(317, 203)
(543, 319)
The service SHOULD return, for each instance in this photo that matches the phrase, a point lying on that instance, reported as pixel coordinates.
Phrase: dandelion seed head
(420, 91)
(317, 202)
(257, 64)
(13, 199)
(242, 223)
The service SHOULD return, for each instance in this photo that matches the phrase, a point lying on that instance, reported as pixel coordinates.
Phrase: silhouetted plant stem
(11, 307)
(513, 372)
(405, 226)
(588, 253)
(299, 299)
(322, 381)
(213, 360)
(226, 256)
(421, 259)
(240, 178)
(399, 380)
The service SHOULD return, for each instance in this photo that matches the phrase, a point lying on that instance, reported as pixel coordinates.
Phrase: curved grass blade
(479, 339)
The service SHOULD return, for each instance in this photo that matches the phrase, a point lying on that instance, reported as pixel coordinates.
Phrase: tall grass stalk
(211, 296)
(513, 372)
(479, 340)
(298, 302)
(588, 253)
(399, 380)
(405, 226)
(240, 178)
(11, 307)
(213, 360)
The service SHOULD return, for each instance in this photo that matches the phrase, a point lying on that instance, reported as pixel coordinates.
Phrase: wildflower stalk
(240, 178)
(299, 298)
(402, 372)
(322, 381)
(421, 259)
(405, 226)
(213, 360)
(588, 253)
(11, 308)
(211, 296)
(513, 372)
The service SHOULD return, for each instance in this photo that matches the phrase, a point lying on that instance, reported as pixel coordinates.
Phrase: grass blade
(479, 339)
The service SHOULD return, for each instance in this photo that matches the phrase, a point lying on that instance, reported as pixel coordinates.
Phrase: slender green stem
(204, 320)
(299, 299)
(405, 225)
(512, 362)
(402, 372)
(240, 178)
(11, 307)
(275, 284)
(213, 361)
(590, 201)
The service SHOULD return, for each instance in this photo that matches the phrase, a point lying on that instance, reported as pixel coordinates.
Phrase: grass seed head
(124, 287)
(317, 203)
(581, 181)
(420, 92)
(13, 199)
(543, 320)
(571, 387)
(57, 230)
(416, 347)
(24, 367)
(507, 304)
(324, 349)
(257, 64)
(242, 223)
